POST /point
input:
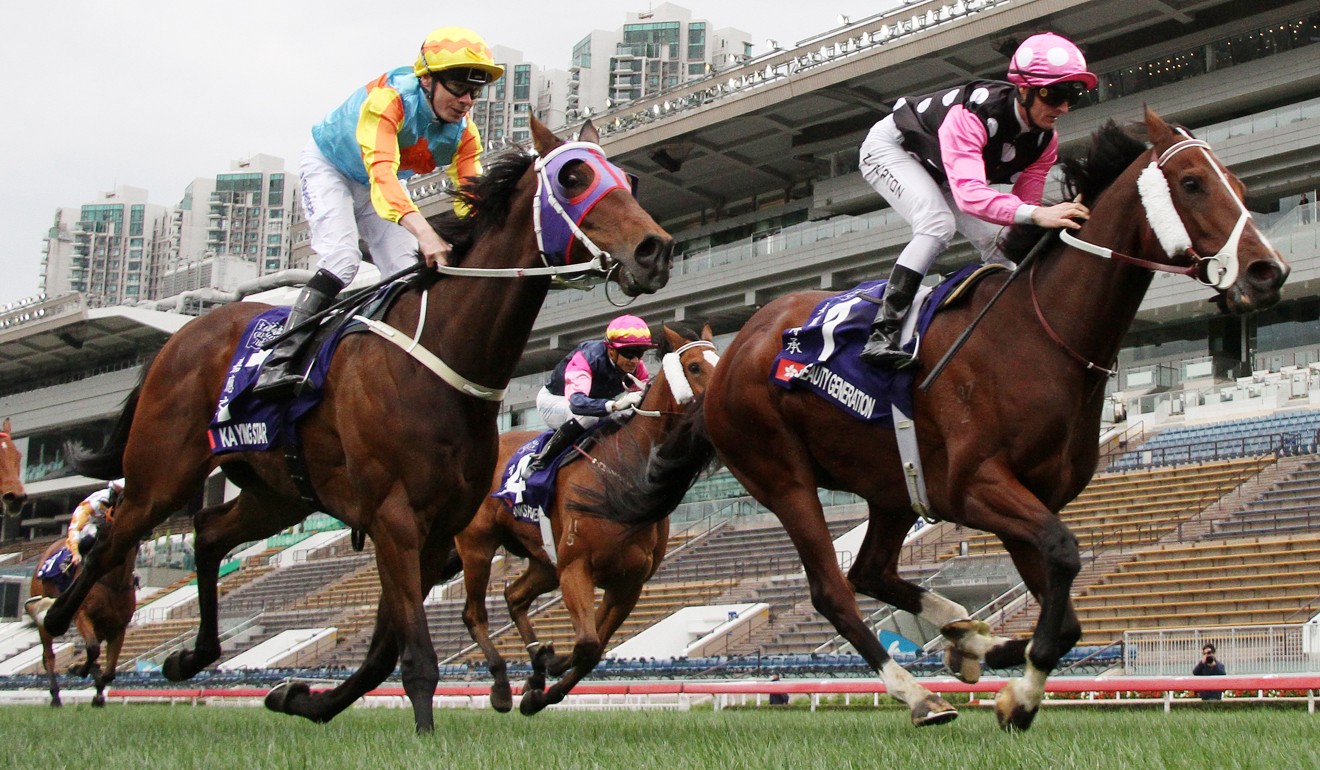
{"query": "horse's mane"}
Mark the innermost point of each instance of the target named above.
(488, 198)
(1112, 150)
(645, 488)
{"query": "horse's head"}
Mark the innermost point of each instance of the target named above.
(586, 204)
(1195, 208)
(685, 369)
(11, 473)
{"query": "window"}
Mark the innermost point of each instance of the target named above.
(522, 82)
(696, 48)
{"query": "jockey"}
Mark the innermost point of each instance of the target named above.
(599, 378)
(935, 156)
(60, 569)
(411, 120)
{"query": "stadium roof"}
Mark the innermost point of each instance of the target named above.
(58, 336)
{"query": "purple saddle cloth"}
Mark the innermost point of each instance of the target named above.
(822, 354)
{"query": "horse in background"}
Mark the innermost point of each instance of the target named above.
(403, 442)
(1008, 435)
(12, 493)
(102, 618)
(592, 551)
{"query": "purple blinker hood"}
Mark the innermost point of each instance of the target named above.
(555, 234)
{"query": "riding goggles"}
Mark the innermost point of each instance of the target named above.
(631, 353)
(460, 88)
(1059, 94)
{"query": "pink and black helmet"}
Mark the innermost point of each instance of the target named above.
(628, 331)
(1046, 59)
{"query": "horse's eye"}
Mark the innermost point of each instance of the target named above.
(694, 368)
(1191, 185)
(574, 175)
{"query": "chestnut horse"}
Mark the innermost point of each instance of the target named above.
(592, 552)
(12, 494)
(102, 618)
(1008, 434)
(402, 443)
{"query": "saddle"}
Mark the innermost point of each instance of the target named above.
(822, 354)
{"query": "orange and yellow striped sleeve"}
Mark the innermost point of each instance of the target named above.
(378, 137)
(466, 162)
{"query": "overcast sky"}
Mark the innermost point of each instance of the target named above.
(154, 93)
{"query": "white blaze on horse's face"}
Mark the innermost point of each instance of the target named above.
(1221, 269)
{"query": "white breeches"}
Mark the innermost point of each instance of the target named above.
(926, 204)
(339, 211)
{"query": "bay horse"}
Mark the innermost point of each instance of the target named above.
(1009, 434)
(390, 450)
(102, 618)
(592, 552)
(12, 493)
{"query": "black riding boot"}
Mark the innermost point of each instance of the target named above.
(886, 330)
(566, 434)
(280, 373)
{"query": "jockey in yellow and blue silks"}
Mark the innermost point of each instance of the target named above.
(411, 120)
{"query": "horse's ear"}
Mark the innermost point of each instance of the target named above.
(707, 334)
(589, 133)
(674, 339)
(6, 425)
(543, 138)
(1156, 129)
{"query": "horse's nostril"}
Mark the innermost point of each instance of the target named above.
(1267, 273)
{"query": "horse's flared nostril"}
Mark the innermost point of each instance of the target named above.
(1268, 274)
(654, 248)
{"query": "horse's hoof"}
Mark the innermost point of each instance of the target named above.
(279, 698)
(98, 701)
(966, 668)
(1012, 714)
(180, 666)
(532, 702)
(55, 702)
(501, 697)
(954, 631)
(934, 710)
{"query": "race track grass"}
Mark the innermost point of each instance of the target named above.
(178, 737)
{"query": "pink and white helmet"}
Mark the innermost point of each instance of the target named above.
(628, 331)
(1046, 59)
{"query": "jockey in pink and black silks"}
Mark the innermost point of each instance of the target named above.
(600, 378)
(410, 120)
(935, 157)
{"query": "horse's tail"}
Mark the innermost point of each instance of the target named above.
(649, 489)
(453, 566)
(107, 462)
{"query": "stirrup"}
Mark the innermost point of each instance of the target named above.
(882, 350)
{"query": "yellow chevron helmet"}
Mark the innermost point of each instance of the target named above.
(628, 331)
(449, 48)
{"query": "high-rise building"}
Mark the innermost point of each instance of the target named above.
(654, 50)
(105, 251)
(502, 112)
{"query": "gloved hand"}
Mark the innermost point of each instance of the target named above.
(627, 401)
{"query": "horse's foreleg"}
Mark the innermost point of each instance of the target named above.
(297, 699)
(476, 578)
(579, 599)
(213, 538)
(1048, 571)
(107, 673)
(398, 559)
(91, 648)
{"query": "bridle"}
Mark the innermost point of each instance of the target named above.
(679, 386)
(553, 241)
(557, 219)
(1219, 270)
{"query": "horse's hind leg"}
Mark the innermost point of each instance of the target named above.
(798, 508)
(218, 529)
(540, 578)
(48, 663)
(91, 648)
(106, 674)
(476, 578)
(875, 574)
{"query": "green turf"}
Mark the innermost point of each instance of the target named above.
(242, 738)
